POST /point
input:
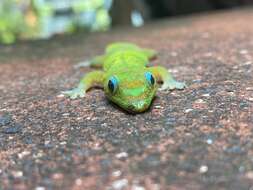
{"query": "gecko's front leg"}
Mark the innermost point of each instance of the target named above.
(92, 79)
(162, 75)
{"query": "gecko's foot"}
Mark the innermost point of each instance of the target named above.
(74, 93)
(173, 84)
(82, 64)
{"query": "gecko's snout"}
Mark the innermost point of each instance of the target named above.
(139, 106)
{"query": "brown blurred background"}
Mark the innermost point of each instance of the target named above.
(42, 19)
(154, 9)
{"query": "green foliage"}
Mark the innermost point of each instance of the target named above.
(102, 20)
(12, 23)
(26, 19)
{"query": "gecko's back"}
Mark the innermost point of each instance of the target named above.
(124, 60)
(124, 57)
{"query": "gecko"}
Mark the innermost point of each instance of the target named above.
(125, 77)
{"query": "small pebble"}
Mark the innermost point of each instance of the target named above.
(16, 128)
(47, 142)
(60, 96)
(104, 124)
(57, 176)
(120, 184)
(244, 51)
(249, 175)
(38, 155)
(122, 155)
(174, 54)
(23, 154)
(188, 110)
(205, 95)
(197, 81)
(137, 187)
(231, 93)
(65, 114)
(203, 169)
(249, 88)
(173, 70)
(200, 101)
(250, 99)
(78, 182)
(40, 188)
(116, 173)
(63, 143)
(17, 174)
(247, 63)
(158, 107)
(209, 141)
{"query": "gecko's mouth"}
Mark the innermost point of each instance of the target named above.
(138, 106)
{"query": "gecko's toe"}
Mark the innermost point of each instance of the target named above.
(82, 95)
(75, 93)
(180, 85)
(173, 85)
(163, 87)
(73, 96)
(82, 64)
(66, 93)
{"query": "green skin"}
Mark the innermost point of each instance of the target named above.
(128, 64)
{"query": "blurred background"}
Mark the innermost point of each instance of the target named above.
(42, 19)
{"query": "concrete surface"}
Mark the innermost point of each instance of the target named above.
(198, 138)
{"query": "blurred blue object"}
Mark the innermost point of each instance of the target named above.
(137, 19)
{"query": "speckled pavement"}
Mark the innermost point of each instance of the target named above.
(197, 138)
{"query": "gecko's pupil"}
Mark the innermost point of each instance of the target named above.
(150, 78)
(111, 86)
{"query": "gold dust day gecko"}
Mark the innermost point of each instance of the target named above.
(125, 78)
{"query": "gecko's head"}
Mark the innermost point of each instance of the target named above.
(133, 92)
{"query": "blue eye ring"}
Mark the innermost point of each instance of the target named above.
(113, 84)
(150, 78)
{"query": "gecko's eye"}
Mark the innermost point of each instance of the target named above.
(150, 78)
(113, 84)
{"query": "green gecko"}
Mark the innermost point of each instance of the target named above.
(125, 78)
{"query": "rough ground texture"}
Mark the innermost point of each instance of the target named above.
(198, 138)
